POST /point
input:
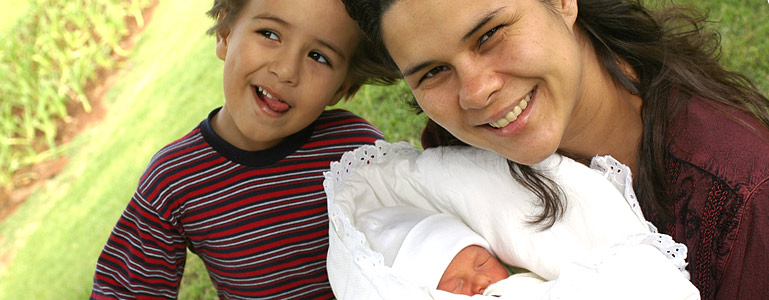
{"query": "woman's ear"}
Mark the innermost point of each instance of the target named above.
(568, 10)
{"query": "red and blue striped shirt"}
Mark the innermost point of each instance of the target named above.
(257, 219)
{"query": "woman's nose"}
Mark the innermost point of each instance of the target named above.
(477, 84)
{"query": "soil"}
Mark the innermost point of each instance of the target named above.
(26, 181)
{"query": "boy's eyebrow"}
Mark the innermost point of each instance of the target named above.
(478, 25)
(266, 16)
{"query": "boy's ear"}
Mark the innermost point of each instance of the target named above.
(341, 91)
(222, 40)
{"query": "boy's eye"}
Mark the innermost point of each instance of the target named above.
(269, 34)
(433, 72)
(319, 57)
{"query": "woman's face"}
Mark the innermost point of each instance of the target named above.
(503, 75)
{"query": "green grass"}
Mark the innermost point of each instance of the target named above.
(167, 87)
(744, 34)
(170, 83)
(52, 49)
(12, 11)
(48, 249)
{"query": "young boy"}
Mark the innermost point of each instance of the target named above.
(244, 189)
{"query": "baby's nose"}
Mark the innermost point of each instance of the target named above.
(480, 283)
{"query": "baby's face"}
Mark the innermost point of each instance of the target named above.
(471, 271)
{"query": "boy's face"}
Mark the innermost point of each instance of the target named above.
(471, 271)
(284, 62)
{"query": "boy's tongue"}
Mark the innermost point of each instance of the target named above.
(275, 105)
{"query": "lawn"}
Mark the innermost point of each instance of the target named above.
(11, 12)
(49, 247)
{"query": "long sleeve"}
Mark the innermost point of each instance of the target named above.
(744, 275)
(718, 165)
(144, 256)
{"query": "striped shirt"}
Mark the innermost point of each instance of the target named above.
(258, 219)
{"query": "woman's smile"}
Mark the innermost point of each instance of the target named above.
(512, 115)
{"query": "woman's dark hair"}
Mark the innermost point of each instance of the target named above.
(673, 57)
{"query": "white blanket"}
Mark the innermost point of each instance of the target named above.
(476, 185)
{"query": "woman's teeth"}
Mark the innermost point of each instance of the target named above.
(513, 114)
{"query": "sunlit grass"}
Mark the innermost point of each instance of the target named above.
(48, 249)
(167, 87)
(744, 36)
(12, 11)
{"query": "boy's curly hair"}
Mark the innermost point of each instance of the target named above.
(366, 66)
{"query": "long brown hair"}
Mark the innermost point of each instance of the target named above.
(674, 57)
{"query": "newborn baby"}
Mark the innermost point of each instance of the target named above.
(432, 250)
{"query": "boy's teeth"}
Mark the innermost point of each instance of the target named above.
(513, 114)
(265, 93)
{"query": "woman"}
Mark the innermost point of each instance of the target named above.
(527, 78)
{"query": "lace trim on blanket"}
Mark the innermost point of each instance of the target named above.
(620, 175)
(675, 252)
(372, 262)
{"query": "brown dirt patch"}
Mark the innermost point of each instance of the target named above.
(26, 181)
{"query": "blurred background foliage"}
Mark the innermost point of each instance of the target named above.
(53, 51)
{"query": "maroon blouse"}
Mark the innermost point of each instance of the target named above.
(719, 170)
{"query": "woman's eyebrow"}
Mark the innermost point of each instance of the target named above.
(482, 22)
(414, 69)
(478, 25)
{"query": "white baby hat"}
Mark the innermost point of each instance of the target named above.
(418, 244)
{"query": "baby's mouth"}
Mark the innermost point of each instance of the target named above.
(513, 114)
(272, 102)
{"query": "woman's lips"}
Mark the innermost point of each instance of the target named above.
(513, 114)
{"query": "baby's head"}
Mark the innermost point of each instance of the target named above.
(432, 250)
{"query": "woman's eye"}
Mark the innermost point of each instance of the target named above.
(486, 36)
(319, 58)
(433, 72)
(269, 34)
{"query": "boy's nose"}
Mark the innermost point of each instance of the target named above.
(285, 68)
